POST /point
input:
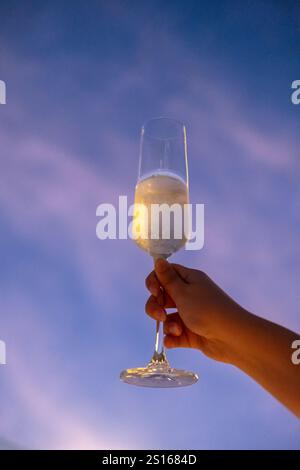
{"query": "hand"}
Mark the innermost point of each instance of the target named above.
(209, 320)
(205, 316)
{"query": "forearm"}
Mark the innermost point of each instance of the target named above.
(263, 351)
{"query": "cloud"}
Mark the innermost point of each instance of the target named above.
(43, 407)
(69, 144)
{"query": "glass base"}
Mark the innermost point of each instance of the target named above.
(158, 374)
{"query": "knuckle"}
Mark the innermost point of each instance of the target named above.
(151, 305)
(151, 282)
(148, 280)
(148, 305)
(202, 274)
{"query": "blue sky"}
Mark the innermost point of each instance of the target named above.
(81, 80)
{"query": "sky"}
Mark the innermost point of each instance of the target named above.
(81, 79)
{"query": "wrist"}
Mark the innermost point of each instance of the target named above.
(232, 332)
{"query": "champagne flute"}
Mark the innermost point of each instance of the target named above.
(162, 180)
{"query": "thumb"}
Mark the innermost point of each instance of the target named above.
(169, 278)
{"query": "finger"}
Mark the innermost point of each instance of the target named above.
(173, 329)
(171, 341)
(173, 325)
(153, 284)
(165, 300)
(154, 310)
(166, 303)
(169, 278)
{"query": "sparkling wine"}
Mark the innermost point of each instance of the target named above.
(160, 188)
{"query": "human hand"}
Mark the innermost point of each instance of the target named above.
(209, 320)
(206, 316)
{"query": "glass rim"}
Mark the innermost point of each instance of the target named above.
(163, 118)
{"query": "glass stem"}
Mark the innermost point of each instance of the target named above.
(159, 339)
(159, 351)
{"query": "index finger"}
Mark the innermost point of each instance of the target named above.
(156, 290)
(153, 284)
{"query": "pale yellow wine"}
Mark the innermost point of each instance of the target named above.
(159, 188)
